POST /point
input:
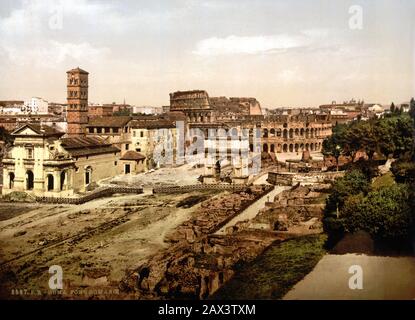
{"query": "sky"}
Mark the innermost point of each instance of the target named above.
(298, 53)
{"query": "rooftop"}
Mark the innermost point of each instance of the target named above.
(109, 121)
(84, 146)
(133, 155)
(77, 70)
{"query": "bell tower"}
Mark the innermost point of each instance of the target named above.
(77, 97)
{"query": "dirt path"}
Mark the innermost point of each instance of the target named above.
(252, 211)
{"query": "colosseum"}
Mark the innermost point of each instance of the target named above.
(279, 133)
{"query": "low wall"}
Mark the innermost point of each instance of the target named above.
(198, 187)
(290, 178)
(105, 192)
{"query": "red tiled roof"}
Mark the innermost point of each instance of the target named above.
(133, 155)
(109, 121)
(84, 146)
(77, 70)
(152, 124)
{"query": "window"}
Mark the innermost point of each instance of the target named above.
(115, 163)
(133, 133)
(29, 153)
(126, 129)
(141, 134)
(91, 130)
(127, 146)
(115, 130)
(107, 130)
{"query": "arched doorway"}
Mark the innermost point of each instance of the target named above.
(272, 148)
(291, 148)
(50, 182)
(265, 147)
(88, 175)
(29, 180)
(11, 180)
(285, 148)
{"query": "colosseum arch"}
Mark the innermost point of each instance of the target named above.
(307, 133)
(302, 147)
(312, 146)
(285, 147)
(302, 132)
(272, 132)
(272, 149)
(307, 147)
(265, 133)
(291, 148)
(297, 132)
(265, 148)
(285, 134)
(291, 134)
(296, 147)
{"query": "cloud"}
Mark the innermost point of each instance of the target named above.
(53, 53)
(257, 44)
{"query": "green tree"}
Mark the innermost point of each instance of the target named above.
(412, 108)
(333, 146)
(384, 213)
(353, 182)
(392, 108)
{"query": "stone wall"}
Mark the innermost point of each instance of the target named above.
(199, 262)
(290, 178)
(100, 193)
(195, 187)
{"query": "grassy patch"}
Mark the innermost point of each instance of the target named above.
(385, 180)
(272, 274)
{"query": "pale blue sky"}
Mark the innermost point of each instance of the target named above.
(284, 53)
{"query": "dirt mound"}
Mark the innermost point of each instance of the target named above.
(18, 196)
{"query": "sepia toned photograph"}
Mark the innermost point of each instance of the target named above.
(210, 151)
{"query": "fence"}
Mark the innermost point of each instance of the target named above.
(198, 187)
(104, 192)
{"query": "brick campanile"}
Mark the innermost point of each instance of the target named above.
(77, 109)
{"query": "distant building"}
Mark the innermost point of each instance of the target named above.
(35, 105)
(113, 128)
(99, 110)
(147, 135)
(11, 107)
(147, 110)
